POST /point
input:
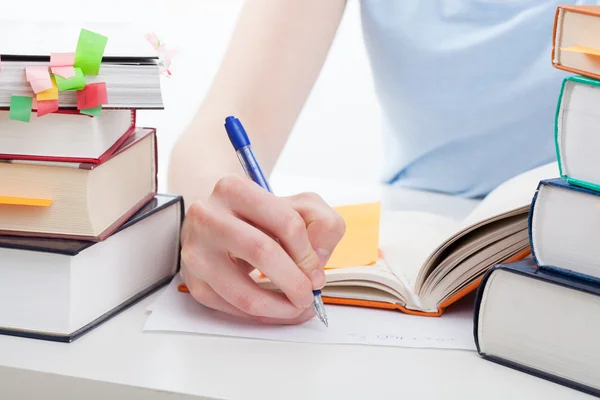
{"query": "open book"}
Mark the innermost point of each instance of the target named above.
(428, 261)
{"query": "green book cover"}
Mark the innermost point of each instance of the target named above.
(580, 80)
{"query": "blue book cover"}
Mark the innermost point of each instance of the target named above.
(560, 183)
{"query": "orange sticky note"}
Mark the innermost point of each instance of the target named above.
(50, 94)
(24, 201)
(582, 49)
(360, 244)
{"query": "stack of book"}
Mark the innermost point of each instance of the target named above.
(542, 315)
(83, 232)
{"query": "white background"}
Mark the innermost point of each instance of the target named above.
(342, 106)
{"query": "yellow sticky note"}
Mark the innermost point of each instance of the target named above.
(582, 49)
(360, 244)
(24, 201)
(50, 94)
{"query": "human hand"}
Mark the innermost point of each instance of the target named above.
(234, 232)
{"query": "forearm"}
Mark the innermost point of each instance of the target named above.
(272, 62)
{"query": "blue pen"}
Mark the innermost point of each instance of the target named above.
(243, 148)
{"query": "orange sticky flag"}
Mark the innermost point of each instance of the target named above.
(582, 49)
(360, 244)
(24, 201)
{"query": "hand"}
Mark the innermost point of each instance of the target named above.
(234, 232)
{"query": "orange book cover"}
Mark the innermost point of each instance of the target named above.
(584, 47)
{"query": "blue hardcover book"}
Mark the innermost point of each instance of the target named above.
(540, 322)
(564, 229)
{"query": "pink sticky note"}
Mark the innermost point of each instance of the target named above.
(46, 107)
(64, 72)
(39, 85)
(92, 95)
(38, 77)
(62, 59)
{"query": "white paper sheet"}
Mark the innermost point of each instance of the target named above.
(175, 311)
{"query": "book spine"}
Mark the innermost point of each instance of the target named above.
(558, 127)
(530, 222)
(570, 274)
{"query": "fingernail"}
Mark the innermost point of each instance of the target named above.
(317, 277)
(323, 256)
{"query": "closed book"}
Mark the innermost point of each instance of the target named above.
(576, 40)
(66, 136)
(540, 322)
(129, 64)
(58, 289)
(78, 200)
(576, 131)
(564, 226)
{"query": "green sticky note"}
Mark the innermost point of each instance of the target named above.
(75, 83)
(94, 111)
(89, 51)
(20, 108)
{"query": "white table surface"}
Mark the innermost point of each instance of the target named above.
(117, 360)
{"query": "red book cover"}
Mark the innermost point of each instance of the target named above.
(96, 161)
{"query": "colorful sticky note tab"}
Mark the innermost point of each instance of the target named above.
(360, 244)
(64, 72)
(46, 107)
(50, 94)
(89, 51)
(94, 111)
(61, 64)
(75, 83)
(20, 108)
(38, 77)
(62, 59)
(92, 95)
(582, 49)
(25, 201)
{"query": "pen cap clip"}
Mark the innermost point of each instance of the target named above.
(236, 132)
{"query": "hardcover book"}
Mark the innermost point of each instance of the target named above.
(576, 137)
(59, 289)
(541, 323)
(78, 200)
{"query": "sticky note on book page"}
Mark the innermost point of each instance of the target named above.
(61, 64)
(582, 49)
(93, 95)
(38, 77)
(360, 244)
(89, 51)
(50, 94)
(24, 201)
(75, 83)
(20, 108)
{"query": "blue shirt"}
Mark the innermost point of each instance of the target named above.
(466, 87)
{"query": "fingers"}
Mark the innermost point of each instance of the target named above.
(207, 296)
(275, 217)
(237, 288)
(325, 227)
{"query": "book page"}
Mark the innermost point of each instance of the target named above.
(407, 238)
(515, 193)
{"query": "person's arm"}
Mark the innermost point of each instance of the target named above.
(272, 62)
